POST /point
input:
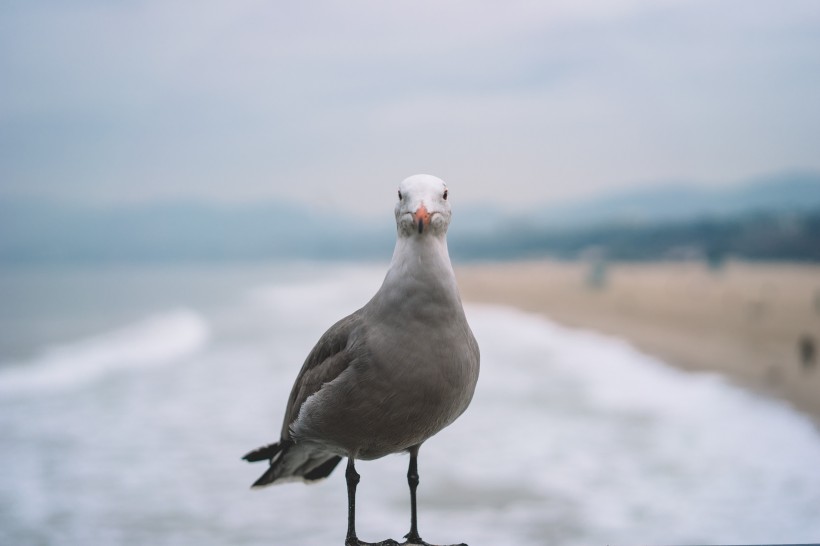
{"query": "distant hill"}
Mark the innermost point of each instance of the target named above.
(771, 218)
(32, 232)
(752, 236)
(785, 192)
(777, 217)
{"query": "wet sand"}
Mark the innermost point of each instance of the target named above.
(758, 324)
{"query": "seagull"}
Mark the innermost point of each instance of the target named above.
(389, 376)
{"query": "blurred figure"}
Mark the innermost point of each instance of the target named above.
(808, 352)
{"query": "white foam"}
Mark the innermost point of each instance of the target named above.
(312, 305)
(348, 287)
(632, 443)
(573, 438)
(150, 342)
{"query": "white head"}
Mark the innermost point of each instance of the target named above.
(422, 208)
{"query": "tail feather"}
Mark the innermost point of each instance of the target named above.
(264, 453)
(323, 470)
(270, 476)
(302, 464)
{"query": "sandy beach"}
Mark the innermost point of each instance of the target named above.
(758, 324)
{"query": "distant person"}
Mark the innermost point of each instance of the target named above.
(808, 351)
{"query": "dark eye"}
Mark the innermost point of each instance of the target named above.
(399, 195)
(445, 195)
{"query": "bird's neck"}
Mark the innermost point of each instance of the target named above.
(423, 257)
(420, 273)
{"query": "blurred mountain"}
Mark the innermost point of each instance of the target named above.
(37, 231)
(771, 218)
(784, 192)
(777, 217)
(793, 236)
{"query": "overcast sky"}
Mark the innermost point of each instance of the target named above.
(334, 103)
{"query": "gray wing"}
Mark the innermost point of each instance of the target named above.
(326, 361)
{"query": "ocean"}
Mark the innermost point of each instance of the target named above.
(128, 395)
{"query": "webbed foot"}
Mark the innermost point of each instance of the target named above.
(357, 542)
(417, 541)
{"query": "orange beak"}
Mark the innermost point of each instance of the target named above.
(421, 217)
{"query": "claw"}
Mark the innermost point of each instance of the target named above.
(417, 541)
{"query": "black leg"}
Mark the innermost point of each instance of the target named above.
(352, 478)
(413, 481)
(351, 539)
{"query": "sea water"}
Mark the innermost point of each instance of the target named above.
(129, 394)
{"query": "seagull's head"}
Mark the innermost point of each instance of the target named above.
(422, 207)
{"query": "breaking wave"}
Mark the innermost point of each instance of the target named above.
(153, 341)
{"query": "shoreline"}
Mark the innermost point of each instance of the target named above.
(756, 323)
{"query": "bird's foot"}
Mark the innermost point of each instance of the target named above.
(357, 542)
(422, 543)
(415, 540)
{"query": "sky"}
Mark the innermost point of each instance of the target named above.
(332, 103)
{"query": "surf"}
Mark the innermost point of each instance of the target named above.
(153, 341)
